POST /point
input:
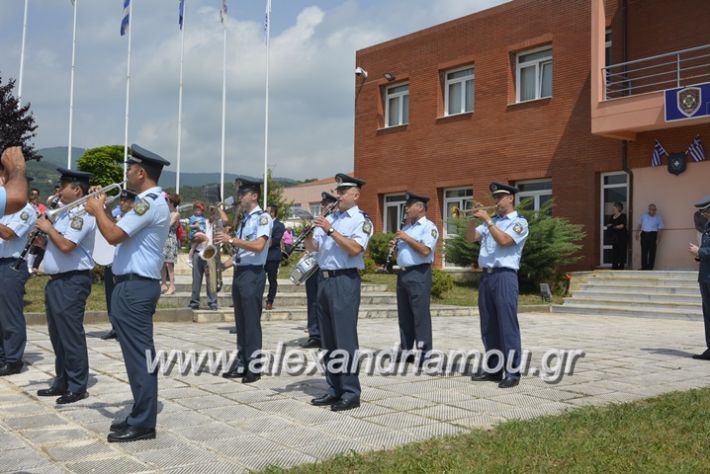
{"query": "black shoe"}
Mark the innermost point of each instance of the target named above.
(131, 433)
(482, 376)
(704, 356)
(71, 397)
(110, 335)
(213, 308)
(343, 405)
(193, 306)
(119, 425)
(11, 368)
(311, 343)
(50, 392)
(324, 400)
(233, 331)
(250, 377)
(509, 381)
(235, 372)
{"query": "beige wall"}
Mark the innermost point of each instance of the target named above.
(674, 197)
(307, 194)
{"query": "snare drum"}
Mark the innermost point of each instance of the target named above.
(304, 269)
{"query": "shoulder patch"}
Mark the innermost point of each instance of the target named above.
(367, 227)
(77, 223)
(434, 233)
(24, 216)
(141, 207)
(264, 220)
(518, 228)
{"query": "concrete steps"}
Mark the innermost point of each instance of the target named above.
(645, 294)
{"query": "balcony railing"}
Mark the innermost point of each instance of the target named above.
(656, 73)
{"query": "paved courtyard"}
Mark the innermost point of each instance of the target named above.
(210, 424)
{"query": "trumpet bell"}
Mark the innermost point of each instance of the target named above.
(457, 213)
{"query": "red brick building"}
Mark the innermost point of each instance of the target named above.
(518, 94)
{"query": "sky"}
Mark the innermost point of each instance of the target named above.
(312, 59)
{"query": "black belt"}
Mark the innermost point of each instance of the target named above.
(334, 273)
(9, 259)
(132, 276)
(57, 276)
(497, 270)
(421, 266)
(251, 268)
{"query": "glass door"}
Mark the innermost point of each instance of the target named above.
(614, 188)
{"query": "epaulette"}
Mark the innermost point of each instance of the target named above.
(152, 196)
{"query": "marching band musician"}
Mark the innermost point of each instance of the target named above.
(249, 279)
(68, 262)
(140, 237)
(13, 190)
(415, 247)
(340, 240)
(13, 331)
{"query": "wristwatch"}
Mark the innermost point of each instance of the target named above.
(489, 223)
(330, 231)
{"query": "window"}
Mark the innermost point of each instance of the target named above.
(607, 48)
(397, 105)
(315, 209)
(394, 211)
(533, 74)
(461, 198)
(459, 91)
(535, 194)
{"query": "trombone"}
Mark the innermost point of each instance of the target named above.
(458, 213)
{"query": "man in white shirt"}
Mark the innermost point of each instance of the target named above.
(649, 231)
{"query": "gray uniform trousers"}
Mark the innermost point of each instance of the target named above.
(13, 330)
(247, 292)
(312, 303)
(413, 308)
(338, 306)
(65, 299)
(132, 307)
(498, 307)
(199, 269)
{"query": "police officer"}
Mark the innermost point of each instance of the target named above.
(415, 247)
(340, 240)
(140, 237)
(502, 239)
(313, 341)
(702, 254)
(251, 243)
(68, 262)
(14, 229)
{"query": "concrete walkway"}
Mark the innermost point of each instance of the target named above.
(210, 424)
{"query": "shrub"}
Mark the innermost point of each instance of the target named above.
(378, 247)
(441, 283)
(370, 265)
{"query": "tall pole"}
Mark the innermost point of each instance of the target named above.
(179, 136)
(71, 87)
(128, 90)
(266, 106)
(22, 57)
(224, 104)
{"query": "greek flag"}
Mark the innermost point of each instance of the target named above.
(696, 150)
(181, 11)
(223, 12)
(658, 152)
(126, 16)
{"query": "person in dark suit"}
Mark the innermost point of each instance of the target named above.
(619, 237)
(273, 258)
(702, 254)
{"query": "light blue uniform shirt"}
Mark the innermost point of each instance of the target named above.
(78, 227)
(493, 255)
(254, 225)
(3, 199)
(353, 224)
(423, 231)
(20, 223)
(147, 226)
(651, 223)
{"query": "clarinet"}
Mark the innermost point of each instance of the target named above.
(390, 254)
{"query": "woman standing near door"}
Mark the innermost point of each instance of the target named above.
(619, 236)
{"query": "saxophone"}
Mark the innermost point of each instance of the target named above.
(211, 255)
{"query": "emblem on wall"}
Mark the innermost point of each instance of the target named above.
(677, 163)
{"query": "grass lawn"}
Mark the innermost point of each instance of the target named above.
(34, 296)
(666, 434)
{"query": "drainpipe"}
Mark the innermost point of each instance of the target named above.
(625, 143)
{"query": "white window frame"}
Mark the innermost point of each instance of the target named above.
(315, 209)
(535, 194)
(602, 224)
(402, 96)
(393, 206)
(463, 203)
(537, 63)
(460, 80)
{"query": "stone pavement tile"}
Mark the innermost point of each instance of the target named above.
(523, 401)
(352, 428)
(48, 437)
(209, 468)
(482, 405)
(370, 409)
(386, 439)
(13, 399)
(119, 465)
(479, 389)
(478, 420)
(524, 413)
(10, 441)
(264, 424)
(208, 433)
(183, 455)
(588, 388)
(181, 392)
(284, 458)
(253, 395)
(442, 396)
(586, 401)
(329, 447)
(163, 440)
(438, 429)
(226, 387)
(404, 403)
(400, 420)
(407, 388)
(285, 405)
(201, 403)
(23, 459)
(36, 421)
(553, 395)
(296, 436)
(23, 410)
(179, 420)
(49, 469)
(311, 415)
(370, 394)
(75, 451)
(441, 412)
(229, 414)
(238, 448)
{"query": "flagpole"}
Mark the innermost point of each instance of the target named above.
(71, 87)
(266, 106)
(179, 137)
(224, 101)
(128, 90)
(22, 56)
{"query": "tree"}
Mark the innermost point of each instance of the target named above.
(17, 125)
(105, 162)
(276, 197)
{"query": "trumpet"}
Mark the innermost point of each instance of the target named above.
(53, 216)
(307, 231)
(457, 213)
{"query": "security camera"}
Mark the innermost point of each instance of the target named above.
(360, 72)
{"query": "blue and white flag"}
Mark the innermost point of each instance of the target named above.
(181, 12)
(126, 16)
(696, 150)
(223, 12)
(658, 152)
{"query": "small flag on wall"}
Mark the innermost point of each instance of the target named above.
(658, 152)
(696, 150)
